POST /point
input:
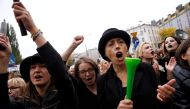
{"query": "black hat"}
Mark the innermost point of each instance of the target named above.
(26, 63)
(110, 34)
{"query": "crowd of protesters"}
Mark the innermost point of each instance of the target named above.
(162, 81)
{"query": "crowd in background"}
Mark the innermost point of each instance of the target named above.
(162, 79)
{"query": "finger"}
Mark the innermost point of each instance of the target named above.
(166, 64)
(18, 4)
(166, 90)
(171, 82)
(159, 97)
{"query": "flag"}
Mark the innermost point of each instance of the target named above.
(12, 60)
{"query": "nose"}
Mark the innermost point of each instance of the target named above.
(37, 68)
(87, 73)
(117, 46)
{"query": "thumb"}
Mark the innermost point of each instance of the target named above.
(171, 82)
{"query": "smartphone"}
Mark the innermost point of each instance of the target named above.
(21, 25)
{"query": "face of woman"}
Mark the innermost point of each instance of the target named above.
(171, 44)
(147, 51)
(116, 50)
(39, 75)
(87, 74)
(104, 66)
(186, 56)
(14, 91)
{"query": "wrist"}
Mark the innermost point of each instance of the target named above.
(34, 30)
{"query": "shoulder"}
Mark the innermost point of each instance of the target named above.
(181, 73)
(144, 66)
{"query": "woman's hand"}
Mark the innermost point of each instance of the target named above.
(78, 40)
(165, 92)
(4, 54)
(21, 14)
(170, 66)
(125, 104)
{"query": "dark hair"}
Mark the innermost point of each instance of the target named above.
(176, 39)
(85, 60)
(182, 49)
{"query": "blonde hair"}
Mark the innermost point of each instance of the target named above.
(139, 50)
(18, 82)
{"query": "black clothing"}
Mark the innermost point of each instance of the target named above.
(181, 98)
(163, 74)
(4, 98)
(110, 90)
(87, 99)
(64, 97)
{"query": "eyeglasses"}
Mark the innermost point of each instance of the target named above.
(83, 72)
(13, 89)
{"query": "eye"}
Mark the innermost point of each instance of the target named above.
(32, 66)
(111, 43)
(43, 65)
(172, 40)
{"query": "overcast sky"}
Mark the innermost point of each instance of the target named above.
(61, 20)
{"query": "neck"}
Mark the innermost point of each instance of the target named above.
(92, 88)
(119, 68)
(42, 89)
(147, 60)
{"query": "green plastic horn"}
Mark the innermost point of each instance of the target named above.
(131, 65)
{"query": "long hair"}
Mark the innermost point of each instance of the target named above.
(32, 94)
(176, 39)
(182, 49)
(85, 60)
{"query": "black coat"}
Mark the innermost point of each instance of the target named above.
(110, 91)
(64, 97)
(181, 98)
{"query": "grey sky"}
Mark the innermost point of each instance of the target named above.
(61, 20)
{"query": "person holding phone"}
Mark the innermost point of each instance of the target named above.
(49, 85)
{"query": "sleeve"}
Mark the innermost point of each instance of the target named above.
(57, 69)
(100, 93)
(4, 97)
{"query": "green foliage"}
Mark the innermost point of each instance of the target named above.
(14, 43)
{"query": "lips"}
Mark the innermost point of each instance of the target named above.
(152, 52)
(37, 76)
(170, 46)
(119, 54)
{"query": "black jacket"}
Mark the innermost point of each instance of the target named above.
(110, 91)
(64, 97)
(181, 98)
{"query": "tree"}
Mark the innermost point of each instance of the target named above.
(167, 32)
(14, 43)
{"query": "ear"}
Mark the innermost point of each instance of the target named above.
(183, 56)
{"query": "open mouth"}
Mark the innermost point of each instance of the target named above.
(119, 54)
(169, 46)
(37, 76)
(152, 52)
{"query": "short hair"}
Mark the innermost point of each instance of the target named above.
(18, 82)
(139, 50)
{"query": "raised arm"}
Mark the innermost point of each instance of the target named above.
(76, 42)
(4, 61)
(50, 56)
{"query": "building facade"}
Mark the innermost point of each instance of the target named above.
(180, 19)
(145, 33)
